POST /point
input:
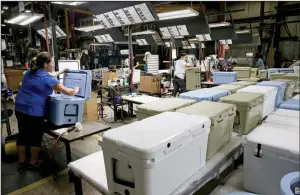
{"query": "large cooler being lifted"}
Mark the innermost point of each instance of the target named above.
(269, 96)
(209, 94)
(64, 109)
(281, 86)
(230, 87)
(156, 155)
(291, 104)
(244, 83)
(159, 106)
(269, 154)
(193, 78)
(249, 110)
(224, 77)
(222, 119)
(286, 113)
(283, 120)
(242, 72)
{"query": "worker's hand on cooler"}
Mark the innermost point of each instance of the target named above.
(76, 90)
(66, 69)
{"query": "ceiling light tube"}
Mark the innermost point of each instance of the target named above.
(177, 37)
(31, 19)
(5, 8)
(188, 12)
(90, 28)
(17, 19)
(242, 31)
(222, 24)
(147, 32)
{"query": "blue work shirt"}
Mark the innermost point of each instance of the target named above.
(260, 64)
(35, 89)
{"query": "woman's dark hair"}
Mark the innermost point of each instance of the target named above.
(39, 61)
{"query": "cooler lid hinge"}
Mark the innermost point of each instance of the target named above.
(258, 152)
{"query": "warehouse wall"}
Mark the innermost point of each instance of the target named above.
(289, 49)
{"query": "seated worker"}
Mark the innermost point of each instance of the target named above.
(30, 107)
(259, 62)
(179, 73)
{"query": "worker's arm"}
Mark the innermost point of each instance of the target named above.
(56, 74)
(65, 90)
(188, 66)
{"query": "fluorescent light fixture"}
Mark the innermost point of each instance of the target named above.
(249, 54)
(188, 12)
(178, 37)
(204, 37)
(74, 3)
(222, 24)
(226, 42)
(2, 11)
(59, 32)
(27, 11)
(32, 19)
(3, 25)
(25, 18)
(100, 44)
(5, 7)
(125, 42)
(124, 52)
(242, 31)
(147, 32)
(90, 28)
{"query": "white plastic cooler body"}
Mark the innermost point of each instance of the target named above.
(269, 154)
(269, 96)
(283, 120)
(287, 113)
(155, 155)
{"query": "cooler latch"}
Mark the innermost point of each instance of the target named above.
(258, 152)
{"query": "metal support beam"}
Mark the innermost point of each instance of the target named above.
(67, 28)
(262, 11)
(54, 40)
(73, 38)
(131, 62)
(222, 18)
(277, 36)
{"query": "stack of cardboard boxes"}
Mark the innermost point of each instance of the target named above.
(90, 112)
(150, 84)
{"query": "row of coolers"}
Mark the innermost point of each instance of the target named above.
(193, 78)
(139, 157)
(281, 87)
(280, 70)
(291, 104)
(160, 106)
(152, 63)
(271, 151)
(291, 78)
(209, 94)
(64, 109)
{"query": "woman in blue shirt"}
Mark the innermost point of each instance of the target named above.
(30, 107)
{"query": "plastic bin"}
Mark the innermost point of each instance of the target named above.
(281, 86)
(244, 83)
(193, 79)
(290, 88)
(224, 77)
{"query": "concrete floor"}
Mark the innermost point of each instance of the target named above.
(89, 146)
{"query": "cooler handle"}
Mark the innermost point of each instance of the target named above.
(71, 114)
(120, 181)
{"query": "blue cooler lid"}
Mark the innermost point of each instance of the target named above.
(286, 70)
(224, 73)
(81, 79)
(278, 84)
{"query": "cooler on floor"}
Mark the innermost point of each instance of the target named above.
(242, 72)
(224, 77)
(249, 110)
(263, 74)
(283, 120)
(269, 96)
(269, 154)
(286, 113)
(209, 94)
(222, 119)
(244, 83)
(155, 155)
(63, 109)
(274, 76)
(290, 88)
(159, 106)
(291, 104)
(286, 70)
(193, 78)
(230, 87)
(253, 72)
(272, 70)
(281, 86)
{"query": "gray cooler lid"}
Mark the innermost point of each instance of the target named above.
(167, 104)
(229, 87)
(207, 108)
(245, 83)
(243, 99)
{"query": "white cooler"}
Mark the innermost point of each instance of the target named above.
(156, 155)
(297, 97)
(162, 105)
(282, 127)
(269, 154)
(283, 120)
(286, 113)
(269, 96)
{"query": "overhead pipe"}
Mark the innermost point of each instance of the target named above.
(67, 27)
(46, 28)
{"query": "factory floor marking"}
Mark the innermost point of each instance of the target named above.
(37, 184)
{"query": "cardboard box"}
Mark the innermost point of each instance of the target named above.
(90, 112)
(13, 78)
(108, 76)
(150, 84)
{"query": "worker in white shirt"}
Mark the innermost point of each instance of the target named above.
(179, 73)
